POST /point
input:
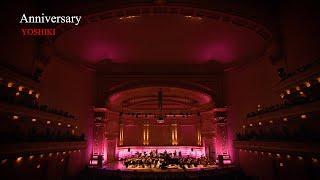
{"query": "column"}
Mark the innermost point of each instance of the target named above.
(199, 134)
(121, 135)
(99, 128)
(174, 134)
(221, 141)
(146, 134)
(98, 133)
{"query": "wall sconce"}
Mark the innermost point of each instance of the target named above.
(10, 84)
(20, 88)
(3, 161)
(303, 116)
(282, 95)
(307, 83)
(314, 160)
(288, 91)
(19, 159)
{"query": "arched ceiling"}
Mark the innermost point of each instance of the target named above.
(162, 38)
(146, 100)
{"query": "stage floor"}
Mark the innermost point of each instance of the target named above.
(118, 165)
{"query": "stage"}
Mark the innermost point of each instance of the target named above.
(116, 170)
(118, 165)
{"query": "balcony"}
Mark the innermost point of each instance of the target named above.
(37, 114)
(41, 147)
(302, 74)
(287, 147)
(290, 111)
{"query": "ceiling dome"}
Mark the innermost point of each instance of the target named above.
(162, 38)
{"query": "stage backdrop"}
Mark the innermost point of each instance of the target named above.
(159, 135)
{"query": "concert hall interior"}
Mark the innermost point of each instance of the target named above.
(161, 89)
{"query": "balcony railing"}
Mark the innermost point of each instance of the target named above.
(41, 147)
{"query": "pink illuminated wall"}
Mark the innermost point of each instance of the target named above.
(160, 133)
